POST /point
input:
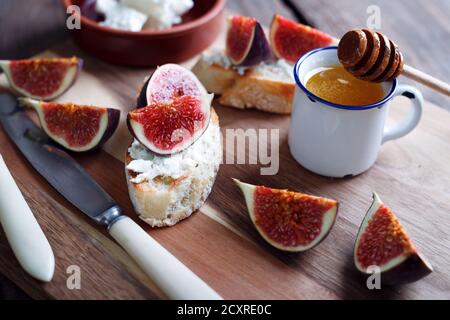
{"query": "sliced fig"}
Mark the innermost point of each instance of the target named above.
(246, 42)
(171, 81)
(289, 221)
(43, 79)
(75, 127)
(384, 243)
(171, 126)
(291, 40)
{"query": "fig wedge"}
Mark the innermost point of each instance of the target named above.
(291, 40)
(289, 221)
(384, 243)
(43, 78)
(75, 127)
(246, 42)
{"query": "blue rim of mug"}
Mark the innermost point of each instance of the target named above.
(312, 96)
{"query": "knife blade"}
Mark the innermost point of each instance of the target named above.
(78, 187)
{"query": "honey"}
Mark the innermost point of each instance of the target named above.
(334, 84)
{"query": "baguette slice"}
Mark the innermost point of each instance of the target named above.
(167, 189)
(267, 87)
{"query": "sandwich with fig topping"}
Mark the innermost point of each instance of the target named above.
(253, 71)
(173, 160)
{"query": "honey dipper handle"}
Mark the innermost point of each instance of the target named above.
(426, 80)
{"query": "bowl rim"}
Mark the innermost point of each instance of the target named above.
(182, 28)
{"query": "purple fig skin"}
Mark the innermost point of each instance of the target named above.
(414, 268)
(259, 51)
(113, 123)
(142, 95)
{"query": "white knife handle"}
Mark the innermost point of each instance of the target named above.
(168, 273)
(24, 234)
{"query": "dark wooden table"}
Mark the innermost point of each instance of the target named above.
(420, 28)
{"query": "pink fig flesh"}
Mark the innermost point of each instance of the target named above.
(170, 127)
(289, 221)
(172, 81)
(43, 78)
(75, 127)
(291, 40)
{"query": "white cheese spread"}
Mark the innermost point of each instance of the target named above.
(216, 56)
(280, 70)
(148, 165)
(135, 15)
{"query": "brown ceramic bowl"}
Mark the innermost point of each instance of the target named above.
(199, 28)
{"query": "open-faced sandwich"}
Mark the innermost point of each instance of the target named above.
(254, 72)
(173, 161)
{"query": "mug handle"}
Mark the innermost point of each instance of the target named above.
(410, 122)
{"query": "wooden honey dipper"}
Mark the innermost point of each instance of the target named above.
(372, 56)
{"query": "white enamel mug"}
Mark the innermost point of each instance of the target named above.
(336, 140)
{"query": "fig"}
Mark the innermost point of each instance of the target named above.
(171, 81)
(383, 242)
(291, 40)
(168, 127)
(75, 127)
(289, 221)
(42, 79)
(246, 42)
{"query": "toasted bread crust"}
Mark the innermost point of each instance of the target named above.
(156, 207)
(214, 77)
(248, 90)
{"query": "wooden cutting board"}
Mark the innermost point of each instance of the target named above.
(219, 243)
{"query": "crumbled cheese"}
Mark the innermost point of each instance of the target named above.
(216, 56)
(148, 165)
(279, 70)
(120, 16)
(162, 14)
(241, 70)
(134, 15)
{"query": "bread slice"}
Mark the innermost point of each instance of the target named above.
(167, 189)
(267, 86)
